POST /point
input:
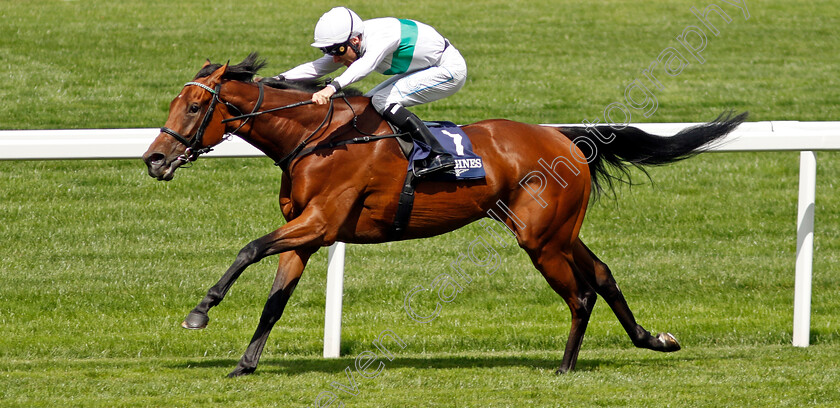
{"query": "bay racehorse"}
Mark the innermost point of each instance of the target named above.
(334, 189)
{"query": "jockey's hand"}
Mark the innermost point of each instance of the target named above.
(323, 96)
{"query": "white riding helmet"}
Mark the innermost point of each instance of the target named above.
(337, 26)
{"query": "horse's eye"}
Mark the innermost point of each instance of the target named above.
(194, 108)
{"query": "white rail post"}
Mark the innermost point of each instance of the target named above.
(804, 248)
(335, 291)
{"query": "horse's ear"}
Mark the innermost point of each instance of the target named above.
(216, 76)
(206, 63)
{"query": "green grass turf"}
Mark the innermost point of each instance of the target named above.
(100, 263)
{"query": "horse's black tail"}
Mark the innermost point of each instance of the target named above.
(619, 149)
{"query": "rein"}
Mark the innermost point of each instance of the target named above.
(252, 114)
(301, 149)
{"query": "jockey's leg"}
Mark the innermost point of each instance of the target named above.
(392, 97)
(439, 159)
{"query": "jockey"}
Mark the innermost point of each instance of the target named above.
(424, 66)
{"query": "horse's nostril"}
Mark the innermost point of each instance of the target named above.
(154, 158)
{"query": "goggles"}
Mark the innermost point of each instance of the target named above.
(336, 50)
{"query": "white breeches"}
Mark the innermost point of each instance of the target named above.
(422, 86)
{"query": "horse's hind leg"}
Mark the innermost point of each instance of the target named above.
(581, 306)
(598, 274)
(559, 271)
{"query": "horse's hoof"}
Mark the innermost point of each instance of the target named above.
(669, 342)
(561, 371)
(240, 371)
(195, 321)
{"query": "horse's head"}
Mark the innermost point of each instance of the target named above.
(193, 126)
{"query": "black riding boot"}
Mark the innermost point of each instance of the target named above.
(439, 159)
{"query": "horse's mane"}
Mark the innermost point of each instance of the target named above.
(245, 71)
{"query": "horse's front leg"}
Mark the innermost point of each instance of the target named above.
(250, 254)
(295, 234)
(289, 271)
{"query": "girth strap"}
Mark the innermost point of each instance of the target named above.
(405, 205)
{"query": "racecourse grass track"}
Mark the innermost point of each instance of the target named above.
(100, 263)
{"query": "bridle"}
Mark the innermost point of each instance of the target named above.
(194, 145)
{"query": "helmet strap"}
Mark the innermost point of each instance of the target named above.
(355, 47)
